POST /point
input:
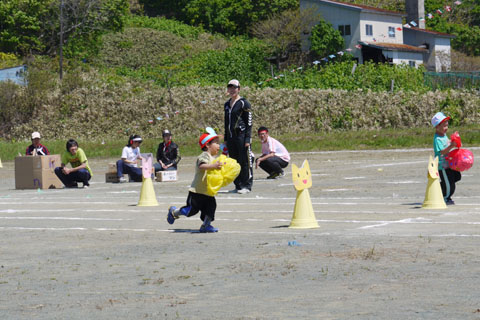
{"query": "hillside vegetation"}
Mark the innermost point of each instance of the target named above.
(151, 73)
(91, 105)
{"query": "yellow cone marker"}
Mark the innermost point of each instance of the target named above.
(147, 194)
(1, 165)
(303, 215)
(433, 194)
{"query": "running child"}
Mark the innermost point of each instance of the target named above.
(198, 198)
(442, 147)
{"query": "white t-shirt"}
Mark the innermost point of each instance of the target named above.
(131, 155)
(273, 145)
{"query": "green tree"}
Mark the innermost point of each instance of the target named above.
(282, 32)
(21, 25)
(233, 17)
(325, 39)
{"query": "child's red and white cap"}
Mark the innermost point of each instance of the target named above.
(438, 118)
(207, 137)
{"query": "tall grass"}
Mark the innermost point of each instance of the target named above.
(334, 140)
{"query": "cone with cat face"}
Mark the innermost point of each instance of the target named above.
(147, 193)
(433, 195)
(303, 215)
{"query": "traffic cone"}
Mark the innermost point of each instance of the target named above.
(147, 194)
(1, 165)
(303, 215)
(433, 194)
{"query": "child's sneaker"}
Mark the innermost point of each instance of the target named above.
(208, 229)
(450, 202)
(170, 217)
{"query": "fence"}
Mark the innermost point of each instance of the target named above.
(455, 80)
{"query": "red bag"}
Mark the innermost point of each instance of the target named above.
(460, 159)
(455, 137)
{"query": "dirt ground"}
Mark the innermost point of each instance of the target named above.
(94, 254)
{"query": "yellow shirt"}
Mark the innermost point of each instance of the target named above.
(76, 160)
(199, 183)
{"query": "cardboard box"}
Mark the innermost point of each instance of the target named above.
(163, 176)
(37, 172)
(112, 177)
(112, 167)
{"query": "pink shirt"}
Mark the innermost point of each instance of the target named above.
(273, 145)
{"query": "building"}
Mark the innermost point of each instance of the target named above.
(378, 35)
(15, 74)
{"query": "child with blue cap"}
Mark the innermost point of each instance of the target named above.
(442, 147)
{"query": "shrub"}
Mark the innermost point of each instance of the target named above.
(162, 24)
(325, 39)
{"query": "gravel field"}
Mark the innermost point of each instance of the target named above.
(94, 254)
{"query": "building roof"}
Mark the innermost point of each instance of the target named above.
(440, 34)
(393, 46)
(363, 8)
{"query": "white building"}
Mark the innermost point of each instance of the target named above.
(378, 35)
(438, 44)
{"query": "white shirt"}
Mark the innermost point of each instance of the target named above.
(276, 147)
(131, 155)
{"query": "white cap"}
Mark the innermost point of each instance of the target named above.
(166, 132)
(234, 82)
(36, 135)
(137, 139)
(438, 118)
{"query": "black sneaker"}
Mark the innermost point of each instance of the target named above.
(208, 229)
(274, 175)
(450, 202)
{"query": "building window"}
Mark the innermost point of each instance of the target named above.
(344, 30)
(369, 29)
(412, 64)
(391, 32)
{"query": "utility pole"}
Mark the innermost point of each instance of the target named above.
(61, 41)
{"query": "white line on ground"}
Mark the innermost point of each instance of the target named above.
(64, 218)
(290, 232)
(393, 164)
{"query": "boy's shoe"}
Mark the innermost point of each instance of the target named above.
(273, 175)
(122, 180)
(450, 202)
(74, 185)
(170, 217)
(243, 191)
(208, 229)
(282, 174)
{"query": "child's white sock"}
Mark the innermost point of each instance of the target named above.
(176, 213)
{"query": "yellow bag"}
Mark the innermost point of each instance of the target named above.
(219, 178)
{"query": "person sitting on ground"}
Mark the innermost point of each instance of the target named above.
(128, 163)
(80, 171)
(36, 149)
(168, 155)
(275, 156)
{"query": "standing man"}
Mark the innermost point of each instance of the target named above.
(238, 135)
(275, 156)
